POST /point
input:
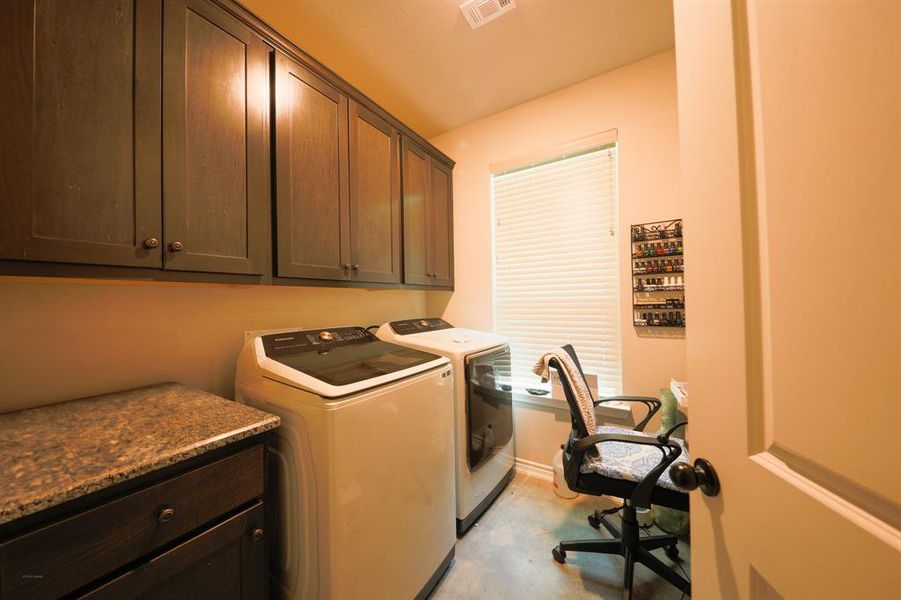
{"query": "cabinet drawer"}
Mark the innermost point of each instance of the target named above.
(68, 554)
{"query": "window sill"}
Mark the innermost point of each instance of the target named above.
(610, 410)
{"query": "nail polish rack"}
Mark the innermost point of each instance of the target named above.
(658, 274)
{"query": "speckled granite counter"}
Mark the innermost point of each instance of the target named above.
(53, 454)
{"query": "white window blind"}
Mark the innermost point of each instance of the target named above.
(556, 274)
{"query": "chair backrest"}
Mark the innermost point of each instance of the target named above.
(578, 423)
(572, 459)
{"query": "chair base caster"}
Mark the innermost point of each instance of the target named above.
(559, 554)
(672, 552)
(594, 521)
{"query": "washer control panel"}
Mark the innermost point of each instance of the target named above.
(419, 325)
(292, 342)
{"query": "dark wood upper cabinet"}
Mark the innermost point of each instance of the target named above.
(312, 192)
(428, 218)
(375, 202)
(80, 150)
(416, 227)
(163, 133)
(441, 220)
(215, 141)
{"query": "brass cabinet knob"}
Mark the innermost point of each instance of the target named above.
(176, 247)
(151, 243)
(166, 515)
(256, 535)
(355, 267)
(347, 266)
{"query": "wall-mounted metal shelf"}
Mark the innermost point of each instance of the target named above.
(658, 246)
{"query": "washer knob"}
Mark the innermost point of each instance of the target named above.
(424, 323)
(326, 336)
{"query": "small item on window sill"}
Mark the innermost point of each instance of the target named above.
(537, 392)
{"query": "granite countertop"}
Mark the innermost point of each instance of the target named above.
(53, 454)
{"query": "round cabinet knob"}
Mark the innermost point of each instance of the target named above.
(151, 243)
(699, 475)
(355, 267)
(166, 515)
(347, 266)
(176, 247)
(256, 535)
(326, 336)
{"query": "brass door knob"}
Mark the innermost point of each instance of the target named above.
(151, 243)
(176, 247)
(256, 535)
(166, 515)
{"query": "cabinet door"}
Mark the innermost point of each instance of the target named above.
(441, 220)
(80, 150)
(312, 192)
(375, 201)
(215, 141)
(227, 561)
(416, 201)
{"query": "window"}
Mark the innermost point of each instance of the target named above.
(556, 272)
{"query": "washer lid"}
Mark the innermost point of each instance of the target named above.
(446, 340)
(340, 361)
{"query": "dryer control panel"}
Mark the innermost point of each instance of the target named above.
(280, 344)
(419, 325)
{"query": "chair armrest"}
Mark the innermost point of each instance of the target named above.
(652, 404)
(641, 496)
(664, 437)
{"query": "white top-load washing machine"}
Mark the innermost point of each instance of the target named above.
(362, 465)
(483, 406)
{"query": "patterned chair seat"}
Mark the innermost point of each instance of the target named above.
(632, 462)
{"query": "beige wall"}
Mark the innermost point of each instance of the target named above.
(62, 339)
(639, 101)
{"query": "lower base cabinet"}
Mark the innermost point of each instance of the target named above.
(198, 533)
(224, 562)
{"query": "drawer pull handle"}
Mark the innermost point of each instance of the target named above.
(256, 535)
(166, 515)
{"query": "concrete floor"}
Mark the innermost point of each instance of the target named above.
(507, 554)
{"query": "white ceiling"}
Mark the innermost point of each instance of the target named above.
(421, 61)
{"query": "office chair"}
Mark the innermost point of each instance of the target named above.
(632, 466)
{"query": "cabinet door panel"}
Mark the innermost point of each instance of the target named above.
(80, 153)
(215, 114)
(416, 200)
(442, 222)
(374, 197)
(311, 175)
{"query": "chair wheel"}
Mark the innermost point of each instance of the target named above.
(559, 554)
(594, 521)
(672, 552)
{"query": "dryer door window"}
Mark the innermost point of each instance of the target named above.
(489, 404)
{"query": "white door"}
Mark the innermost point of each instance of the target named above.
(790, 127)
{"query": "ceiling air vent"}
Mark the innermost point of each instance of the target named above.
(479, 12)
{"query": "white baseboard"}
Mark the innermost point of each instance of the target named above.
(535, 469)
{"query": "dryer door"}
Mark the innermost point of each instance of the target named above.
(489, 404)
